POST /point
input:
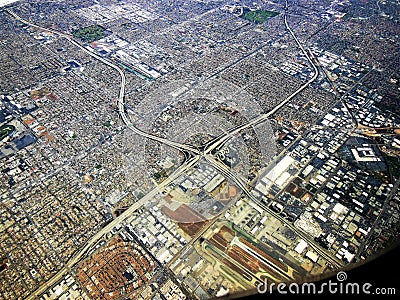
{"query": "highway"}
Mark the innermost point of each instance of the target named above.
(121, 96)
(223, 138)
(378, 219)
(259, 120)
(223, 169)
(183, 168)
(118, 220)
(227, 172)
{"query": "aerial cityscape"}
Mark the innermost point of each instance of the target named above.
(192, 149)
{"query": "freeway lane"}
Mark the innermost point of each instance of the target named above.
(186, 166)
(259, 120)
(183, 168)
(121, 102)
(223, 169)
(97, 237)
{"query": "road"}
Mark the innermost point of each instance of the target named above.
(259, 120)
(121, 96)
(227, 172)
(118, 220)
(183, 168)
(223, 169)
(378, 219)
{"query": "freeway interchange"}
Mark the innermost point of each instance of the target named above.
(206, 152)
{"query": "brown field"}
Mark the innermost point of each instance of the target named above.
(240, 260)
(183, 214)
(264, 255)
(192, 228)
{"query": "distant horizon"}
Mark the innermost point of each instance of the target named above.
(5, 2)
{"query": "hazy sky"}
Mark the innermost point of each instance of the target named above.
(4, 2)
